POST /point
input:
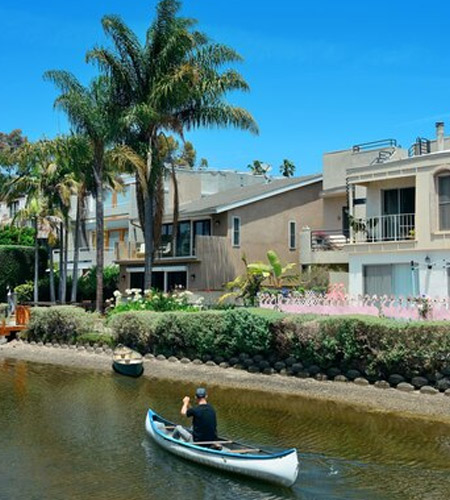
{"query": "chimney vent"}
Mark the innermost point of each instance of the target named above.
(440, 136)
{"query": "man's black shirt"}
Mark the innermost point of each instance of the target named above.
(203, 422)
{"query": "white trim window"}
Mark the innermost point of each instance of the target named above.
(292, 235)
(444, 202)
(236, 231)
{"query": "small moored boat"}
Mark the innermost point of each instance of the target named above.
(281, 468)
(128, 362)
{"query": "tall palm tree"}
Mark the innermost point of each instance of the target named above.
(91, 111)
(173, 81)
(47, 190)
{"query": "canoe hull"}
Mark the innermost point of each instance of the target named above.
(130, 370)
(279, 468)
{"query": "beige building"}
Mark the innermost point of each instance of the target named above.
(387, 216)
(223, 215)
(215, 231)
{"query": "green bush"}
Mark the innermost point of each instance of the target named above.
(134, 329)
(372, 345)
(17, 266)
(60, 323)
(13, 235)
(24, 292)
(87, 284)
(224, 333)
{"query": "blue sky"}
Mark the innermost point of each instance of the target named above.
(324, 75)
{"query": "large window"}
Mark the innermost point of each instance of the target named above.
(183, 243)
(236, 232)
(13, 209)
(292, 235)
(444, 202)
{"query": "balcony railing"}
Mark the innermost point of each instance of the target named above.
(136, 251)
(89, 256)
(328, 240)
(396, 227)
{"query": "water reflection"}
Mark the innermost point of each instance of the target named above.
(68, 434)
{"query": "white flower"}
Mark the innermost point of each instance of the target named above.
(117, 294)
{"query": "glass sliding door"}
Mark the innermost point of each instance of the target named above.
(398, 219)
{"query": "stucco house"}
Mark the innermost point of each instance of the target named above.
(387, 217)
(215, 231)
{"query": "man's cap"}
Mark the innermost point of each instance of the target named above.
(200, 392)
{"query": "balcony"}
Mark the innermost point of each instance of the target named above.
(136, 251)
(87, 257)
(323, 247)
(383, 228)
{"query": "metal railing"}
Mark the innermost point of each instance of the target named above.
(88, 255)
(396, 227)
(328, 240)
(422, 146)
(382, 143)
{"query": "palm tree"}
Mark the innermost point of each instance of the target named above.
(173, 81)
(287, 169)
(47, 190)
(258, 167)
(91, 111)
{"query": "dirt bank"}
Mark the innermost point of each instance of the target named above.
(369, 398)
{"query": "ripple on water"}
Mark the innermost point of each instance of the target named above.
(73, 434)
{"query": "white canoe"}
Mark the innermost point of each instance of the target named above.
(281, 468)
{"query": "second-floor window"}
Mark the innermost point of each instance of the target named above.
(292, 235)
(236, 232)
(13, 209)
(444, 202)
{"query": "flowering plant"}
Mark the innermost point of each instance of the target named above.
(135, 299)
(424, 306)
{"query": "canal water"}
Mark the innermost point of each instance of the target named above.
(69, 434)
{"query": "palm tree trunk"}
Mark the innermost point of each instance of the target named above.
(76, 250)
(99, 224)
(65, 259)
(148, 239)
(61, 260)
(149, 212)
(36, 263)
(51, 275)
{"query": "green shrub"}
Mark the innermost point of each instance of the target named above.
(97, 338)
(87, 284)
(134, 329)
(60, 323)
(372, 345)
(17, 266)
(14, 235)
(24, 292)
(224, 333)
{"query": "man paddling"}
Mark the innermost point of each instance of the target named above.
(204, 422)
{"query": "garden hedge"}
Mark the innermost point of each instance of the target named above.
(376, 348)
(17, 266)
(60, 323)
